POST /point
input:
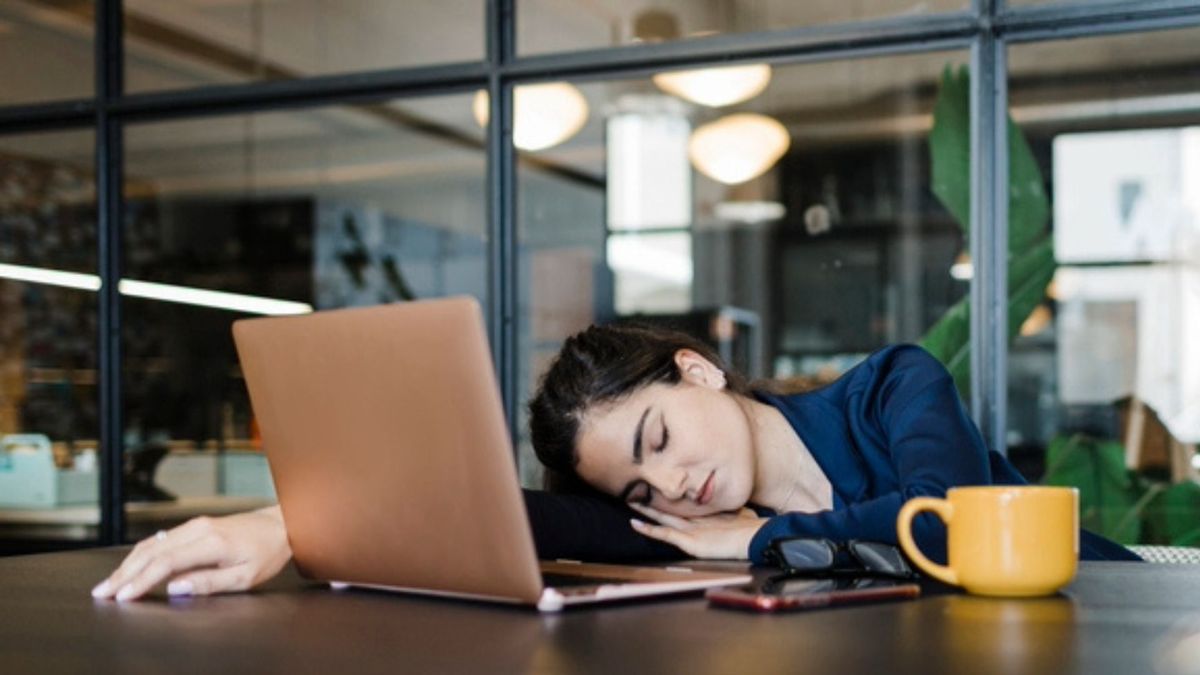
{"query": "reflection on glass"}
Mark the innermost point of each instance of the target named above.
(54, 44)
(549, 114)
(170, 45)
(1064, 2)
(1105, 374)
(554, 26)
(48, 397)
(274, 213)
(832, 247)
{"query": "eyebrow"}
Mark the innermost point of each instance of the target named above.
(637, 437)
(637, 454)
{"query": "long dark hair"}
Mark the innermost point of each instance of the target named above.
(600, 365)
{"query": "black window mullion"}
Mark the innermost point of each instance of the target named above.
(109, 88)
(502, 212)
(801, 44)
(989, 234)
(1071, 20)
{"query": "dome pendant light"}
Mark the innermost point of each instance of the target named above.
(544, 114)
(738, 147)
(716, 87)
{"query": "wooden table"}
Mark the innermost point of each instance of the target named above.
(1119, 618)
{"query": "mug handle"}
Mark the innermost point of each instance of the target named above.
(944, 510)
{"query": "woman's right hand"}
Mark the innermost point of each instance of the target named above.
(204, 556)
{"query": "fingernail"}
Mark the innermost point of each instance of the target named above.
(102, 590)
(125, 593)
(180, 588)
(637, 524)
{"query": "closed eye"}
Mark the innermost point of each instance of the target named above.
(666, 436)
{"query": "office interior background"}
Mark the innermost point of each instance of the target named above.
(798, 182)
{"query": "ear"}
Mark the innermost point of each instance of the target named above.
(696, 369)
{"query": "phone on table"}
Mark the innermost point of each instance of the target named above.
(777, 595)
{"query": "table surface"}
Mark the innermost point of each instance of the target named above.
(1115, 618)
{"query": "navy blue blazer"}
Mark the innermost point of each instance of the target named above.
(889, 429)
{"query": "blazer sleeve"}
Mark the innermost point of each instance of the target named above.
(590, 527)
(933, 445)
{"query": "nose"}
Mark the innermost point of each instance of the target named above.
(670, 482)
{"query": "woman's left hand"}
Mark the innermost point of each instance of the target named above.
(723, 535)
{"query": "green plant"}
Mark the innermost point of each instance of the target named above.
(1172, 517)
(1114, 501)
(1030, 247)
(1111, 498)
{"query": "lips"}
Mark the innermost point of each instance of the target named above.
(706, 490)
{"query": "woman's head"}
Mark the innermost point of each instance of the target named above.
(645, 414)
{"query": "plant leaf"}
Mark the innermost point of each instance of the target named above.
(950, 146)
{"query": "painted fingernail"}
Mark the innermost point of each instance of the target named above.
(180, 588)
(125, 593)
(102, 590)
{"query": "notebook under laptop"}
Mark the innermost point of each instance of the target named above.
(393, 465)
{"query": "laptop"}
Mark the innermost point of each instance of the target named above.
(386, 439)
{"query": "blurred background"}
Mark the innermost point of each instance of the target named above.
(798, 212)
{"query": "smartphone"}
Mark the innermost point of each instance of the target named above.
(796, 594)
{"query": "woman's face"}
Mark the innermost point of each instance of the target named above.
(684, 449)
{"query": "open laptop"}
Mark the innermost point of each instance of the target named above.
(393, 465)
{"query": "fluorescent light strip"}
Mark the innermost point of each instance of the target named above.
(202, 298)
(37, 275)
(236, 302)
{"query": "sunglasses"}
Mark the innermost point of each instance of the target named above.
(815, 557)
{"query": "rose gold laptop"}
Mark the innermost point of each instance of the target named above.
(393, 465)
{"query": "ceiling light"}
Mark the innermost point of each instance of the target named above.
(738, 147)
(236, 302)
(716, 87)
(38, 275)
(545, 114)
(200, 297)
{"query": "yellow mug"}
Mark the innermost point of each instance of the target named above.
(1002, 540)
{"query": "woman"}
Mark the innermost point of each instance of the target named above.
(716, 468)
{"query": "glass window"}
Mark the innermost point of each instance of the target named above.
(54, 44)
(176, 44)
(554, 26)
(1014, 3)
(796, 230)
(1104, 372)
(49, 474)
(278, 213)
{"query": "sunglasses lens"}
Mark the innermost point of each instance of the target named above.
(880, 557)
(806, 554)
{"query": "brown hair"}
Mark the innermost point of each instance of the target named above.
(599, 365)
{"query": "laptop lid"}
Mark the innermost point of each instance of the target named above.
(388, 446)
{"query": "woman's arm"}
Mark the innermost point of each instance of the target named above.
(204, 556)
(933, 445)
(905, 401)
(235, 553)
(589, 527)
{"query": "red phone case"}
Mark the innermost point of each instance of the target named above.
(739, 598)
